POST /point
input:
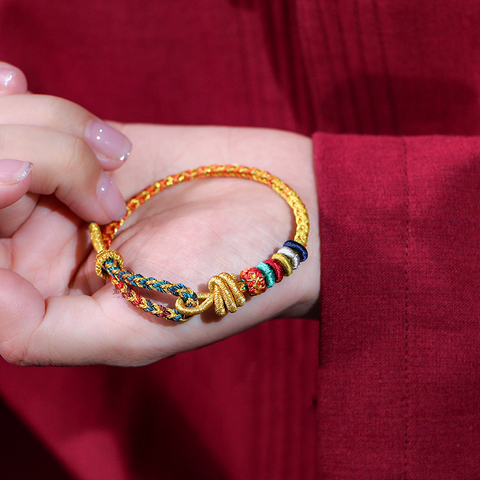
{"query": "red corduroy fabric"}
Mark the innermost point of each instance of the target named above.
(397, 383)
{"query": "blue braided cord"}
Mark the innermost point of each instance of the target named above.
(156, 285)
(185, 294)
(110, 265)
(151, 307)
(107, 265)
(177, 318)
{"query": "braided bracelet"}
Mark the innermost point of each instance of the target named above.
(227, 292)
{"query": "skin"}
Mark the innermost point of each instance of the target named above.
(48, 132)
(56, 311)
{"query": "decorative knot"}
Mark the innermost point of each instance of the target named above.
(103, 253)
(102, 257)
(225, 294)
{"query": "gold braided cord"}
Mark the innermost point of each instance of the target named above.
(235, 171)
(226, 292)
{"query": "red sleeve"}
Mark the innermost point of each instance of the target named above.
(398, 379)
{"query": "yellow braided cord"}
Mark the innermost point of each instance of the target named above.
(226, 291)
(236, 171)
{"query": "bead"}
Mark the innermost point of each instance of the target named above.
(255, 280)
(277, 268)
(284, 261)
(299, 248)
(292, 255)
(268, 273)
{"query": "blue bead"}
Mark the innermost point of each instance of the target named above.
(300, 249)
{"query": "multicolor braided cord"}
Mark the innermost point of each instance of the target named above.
(226, 291)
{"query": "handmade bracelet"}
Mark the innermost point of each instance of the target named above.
(226, 290)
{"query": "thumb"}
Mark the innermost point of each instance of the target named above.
(20, 304)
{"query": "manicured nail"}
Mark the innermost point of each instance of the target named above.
(12, 82)
(13, 171)
(107, 142)
(110, 198)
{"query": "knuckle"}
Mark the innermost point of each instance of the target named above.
(78, 171)
(76, 152)
(51, 108)
(61, 114)
(54, 110)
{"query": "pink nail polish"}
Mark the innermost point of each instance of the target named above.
(107, 142)
(12, 82)
(13, 171)
(110, 198)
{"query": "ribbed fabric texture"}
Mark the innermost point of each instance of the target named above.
(398, 377)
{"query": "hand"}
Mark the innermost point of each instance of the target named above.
(68, 148)
(57, 311)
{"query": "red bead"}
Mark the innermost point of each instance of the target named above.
(277, 268)
(255, 281)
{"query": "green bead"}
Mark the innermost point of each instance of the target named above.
(268, 273)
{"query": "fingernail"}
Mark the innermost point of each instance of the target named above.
(13, 171)
(110, 198)
(107, 142)
(12, 82)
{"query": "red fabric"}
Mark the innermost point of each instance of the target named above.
(399, 390)
(397, 382)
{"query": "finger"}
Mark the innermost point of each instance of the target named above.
(111, 147)
(65, 166)
(15, 215)
(12, 80)
(15, 180)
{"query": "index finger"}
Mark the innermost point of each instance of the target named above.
(12, 80)
(111, 147)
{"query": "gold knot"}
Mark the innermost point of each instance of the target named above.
(225, 294)
(103, 254)
(102, 258)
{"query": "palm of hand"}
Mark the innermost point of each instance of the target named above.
(186, 234)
